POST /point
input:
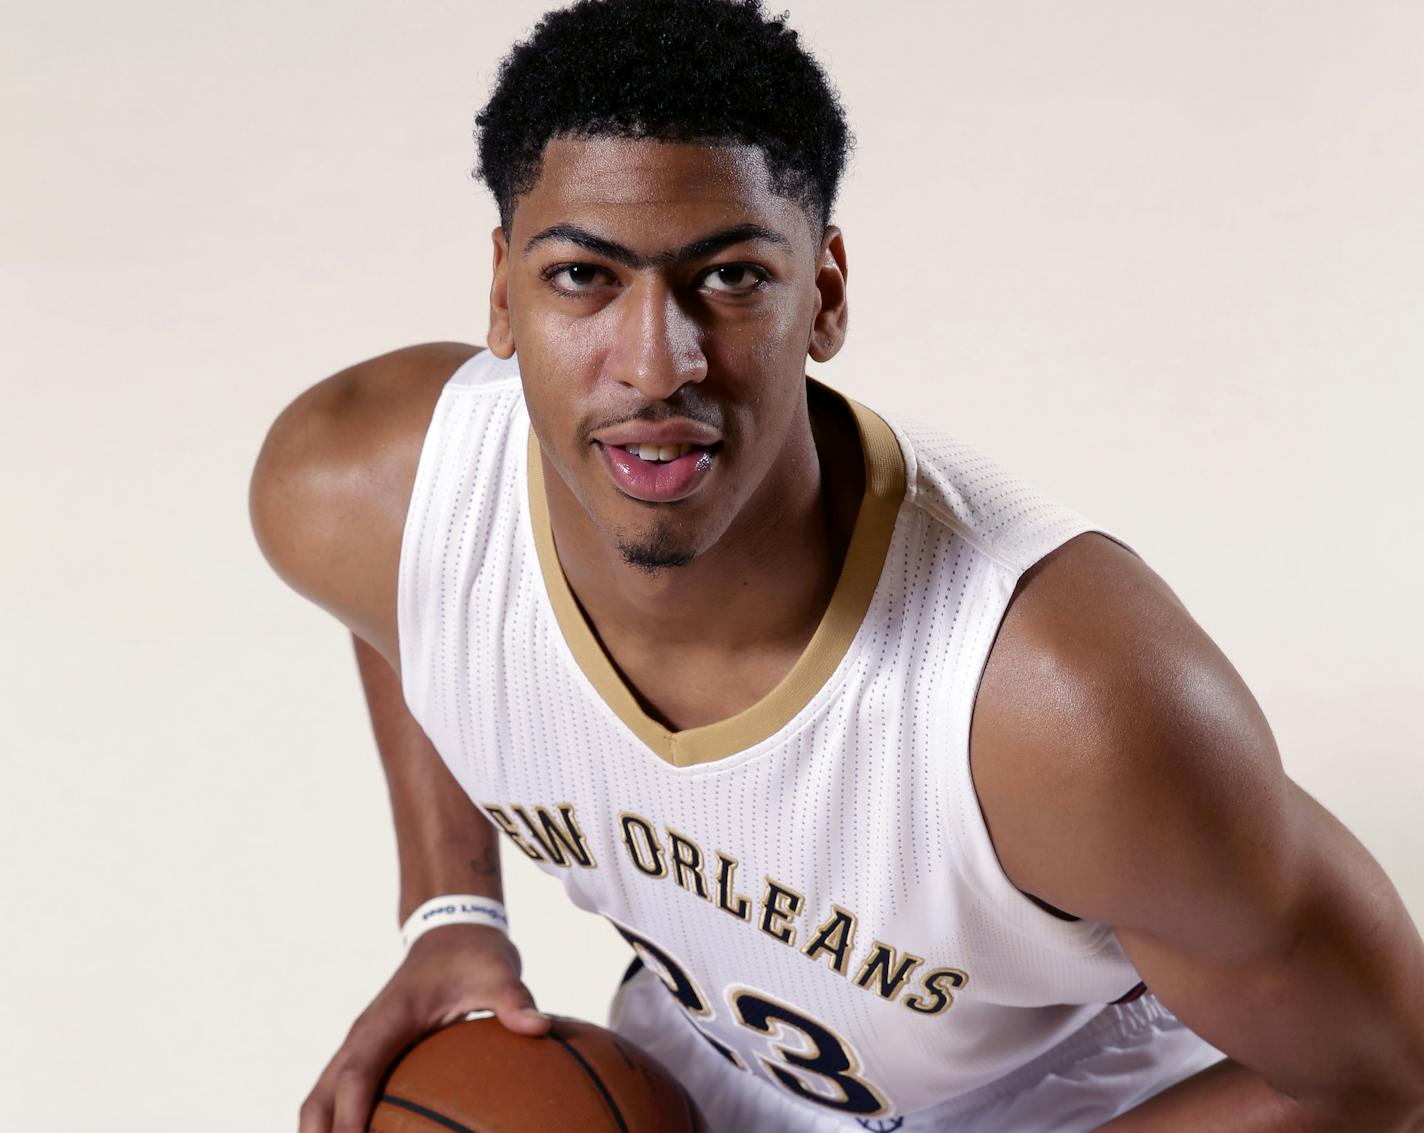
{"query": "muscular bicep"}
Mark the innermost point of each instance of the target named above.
(318, 512)
(1109, 733)
(1128, 776)
(1317, 983)
(333, 479)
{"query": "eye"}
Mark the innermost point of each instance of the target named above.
(582, 278)
(734, 279)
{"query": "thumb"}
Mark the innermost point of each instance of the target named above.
(515, 1009)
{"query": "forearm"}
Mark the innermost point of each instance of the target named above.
(445, 845)
(1229, 1098)
(1225, 1098)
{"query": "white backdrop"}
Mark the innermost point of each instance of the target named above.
(1164, 259)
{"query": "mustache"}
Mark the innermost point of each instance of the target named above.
(682, 404)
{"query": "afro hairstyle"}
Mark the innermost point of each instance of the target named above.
(701, 71)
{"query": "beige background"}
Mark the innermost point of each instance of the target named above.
(1164, 259)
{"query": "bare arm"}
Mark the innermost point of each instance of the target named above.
(1321, 995)
(445, 844)
(333, 481)
(328, 502)
(1129, 777)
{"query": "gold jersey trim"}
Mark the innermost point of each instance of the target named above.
(885, 480)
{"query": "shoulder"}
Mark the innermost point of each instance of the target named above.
(1117, 753)
(333, 479)
(962, 488)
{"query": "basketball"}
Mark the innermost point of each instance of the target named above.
(478, 1076)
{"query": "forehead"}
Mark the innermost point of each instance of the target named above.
(658, 186)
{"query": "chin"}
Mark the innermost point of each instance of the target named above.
(652, 558)
(663, 547)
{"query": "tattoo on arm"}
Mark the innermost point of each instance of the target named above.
(487, 863)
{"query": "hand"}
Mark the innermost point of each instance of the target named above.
(449, 971)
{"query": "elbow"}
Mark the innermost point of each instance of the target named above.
(1394, 1106)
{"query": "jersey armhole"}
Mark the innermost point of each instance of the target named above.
(417, 593)
(974, 855)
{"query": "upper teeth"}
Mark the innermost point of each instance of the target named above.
(659, 452)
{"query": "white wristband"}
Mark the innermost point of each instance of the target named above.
(454, 908)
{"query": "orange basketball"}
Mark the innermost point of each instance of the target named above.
(477, 1076)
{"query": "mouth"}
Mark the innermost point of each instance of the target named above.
(658, 473)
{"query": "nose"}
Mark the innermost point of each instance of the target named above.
(659, 343)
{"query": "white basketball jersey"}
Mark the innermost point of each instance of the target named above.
(812, 878)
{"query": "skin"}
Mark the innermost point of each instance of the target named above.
(1128, 776)
(1125, 772)
(685, 339)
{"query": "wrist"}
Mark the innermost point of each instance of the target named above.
(453, 909)
(443, 868)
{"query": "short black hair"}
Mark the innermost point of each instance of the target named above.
(700, 71)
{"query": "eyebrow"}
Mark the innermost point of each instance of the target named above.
(696, 250)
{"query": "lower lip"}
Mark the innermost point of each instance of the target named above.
(657, 481)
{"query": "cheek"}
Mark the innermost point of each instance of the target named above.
(774, 341)
(562, 359)
(543, 339)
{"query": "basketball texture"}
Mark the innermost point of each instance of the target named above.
(477, 1076)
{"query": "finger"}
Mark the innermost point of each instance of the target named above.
(316, 1111)
(315, 1114)
(516, 1010)
(354, 1095)
(348, 1087)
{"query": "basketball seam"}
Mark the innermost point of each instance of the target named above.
(597, 1081)
(438, 1118)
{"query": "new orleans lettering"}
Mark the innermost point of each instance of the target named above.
(778, 905)
(687, 863)
(545, 836)
(641, 842)
(558, 840)
(834, 936)
(728, 898)
(884, 968)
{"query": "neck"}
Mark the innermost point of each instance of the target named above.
(765, 584)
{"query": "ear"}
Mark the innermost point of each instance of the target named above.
(501, 332)
(828, 323)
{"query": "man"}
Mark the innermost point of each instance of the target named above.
(904, 782)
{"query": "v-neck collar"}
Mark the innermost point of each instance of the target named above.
(860, 573)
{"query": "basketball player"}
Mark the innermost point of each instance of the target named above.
(923, 801)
